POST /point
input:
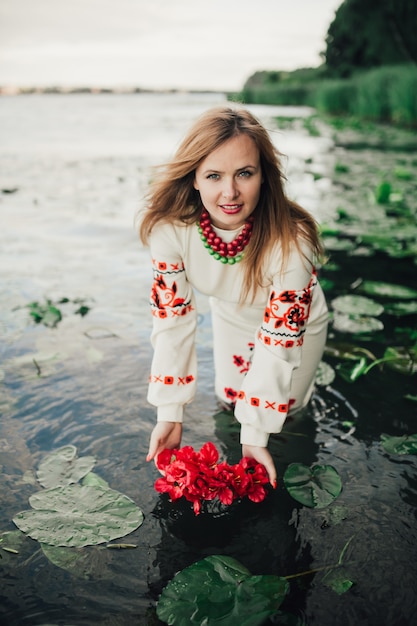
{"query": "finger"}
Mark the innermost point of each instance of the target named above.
(154, 448)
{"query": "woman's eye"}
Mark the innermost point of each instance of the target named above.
(212, 177)
(245, 174)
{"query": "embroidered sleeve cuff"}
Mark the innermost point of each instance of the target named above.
(251, 436)
(170, 413)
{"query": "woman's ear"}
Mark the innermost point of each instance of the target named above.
(195, 184)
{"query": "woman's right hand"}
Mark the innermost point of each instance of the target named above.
(165, 435)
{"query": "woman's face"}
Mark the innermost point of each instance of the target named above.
(229, 181)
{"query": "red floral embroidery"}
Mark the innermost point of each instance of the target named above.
(230, 394)
(165, 299)
(286, 316)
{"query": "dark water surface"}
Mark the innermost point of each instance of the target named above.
(73, 170)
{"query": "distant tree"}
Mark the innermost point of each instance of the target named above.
(370, 33)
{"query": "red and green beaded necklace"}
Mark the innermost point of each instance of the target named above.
(225, 252)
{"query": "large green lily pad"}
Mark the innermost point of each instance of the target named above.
(79, 515)
(62, 467)
(315, 487)
(220, 590)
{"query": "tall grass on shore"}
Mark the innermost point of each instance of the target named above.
(385, 94)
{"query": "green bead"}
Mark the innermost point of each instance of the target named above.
(211, 251)
(216, 255)
(238, 258)
(207, 245)
(223, 259)
(231, 260)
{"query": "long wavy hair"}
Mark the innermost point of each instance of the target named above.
(172, 197)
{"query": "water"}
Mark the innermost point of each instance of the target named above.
(73, 170)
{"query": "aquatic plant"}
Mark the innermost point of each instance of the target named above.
(74, 515)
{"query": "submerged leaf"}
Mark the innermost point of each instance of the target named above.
(61, 467)
(77, 515)
(315, 486)
(80, 563)
(406, 444)
(220, 590)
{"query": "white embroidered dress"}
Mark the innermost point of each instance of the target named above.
(265, 353)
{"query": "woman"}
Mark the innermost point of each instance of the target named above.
(218, 220)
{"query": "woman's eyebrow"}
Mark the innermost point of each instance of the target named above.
(239, 169)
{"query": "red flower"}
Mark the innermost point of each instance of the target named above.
(198, 476)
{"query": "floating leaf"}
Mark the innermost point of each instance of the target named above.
(357, 305)
(405, 444)
(401, 359)
(11, 543)
(356, 324)
(220, 590)
(402, 308)
(338, 581)
(325, 374)
(62, 467)
(336, 244)
(79, 515)
(315, 486)
(390, 290)
(47, 313)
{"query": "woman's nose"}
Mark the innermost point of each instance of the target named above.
(229, 189)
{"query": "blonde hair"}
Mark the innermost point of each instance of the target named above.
(172, 197)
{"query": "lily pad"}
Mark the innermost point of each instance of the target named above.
(390, 290)
(62, 467)
(325, 374)
(357, 305)
(402, 308)
(356, 324)
(405, 444)
(315, 487)
(79, 515)
(220, 590)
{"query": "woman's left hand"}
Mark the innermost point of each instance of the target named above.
(263, 456)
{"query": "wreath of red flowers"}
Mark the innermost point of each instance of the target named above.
(198, 476)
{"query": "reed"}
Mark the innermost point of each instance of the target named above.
(385, 94)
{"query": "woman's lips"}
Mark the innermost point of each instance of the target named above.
(231, 209)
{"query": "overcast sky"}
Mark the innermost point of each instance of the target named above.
(210, 44)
